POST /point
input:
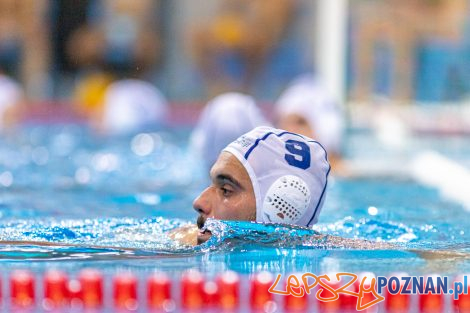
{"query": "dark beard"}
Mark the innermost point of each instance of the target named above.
(200, 221)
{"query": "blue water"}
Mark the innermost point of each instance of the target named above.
(108, 203)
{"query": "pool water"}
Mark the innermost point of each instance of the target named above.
(109, 202)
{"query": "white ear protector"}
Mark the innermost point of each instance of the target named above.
(287, 200)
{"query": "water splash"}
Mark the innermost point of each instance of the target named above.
(130, 237)
(230, 234)
(99, 235)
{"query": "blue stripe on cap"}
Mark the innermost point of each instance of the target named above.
(247, 154)
(321, 196)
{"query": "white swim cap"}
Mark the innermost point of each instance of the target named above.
(288, 172)
(10, 94)
(223, 120)
(308, 98)
(131, 104)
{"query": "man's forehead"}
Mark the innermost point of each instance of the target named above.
(227, 163)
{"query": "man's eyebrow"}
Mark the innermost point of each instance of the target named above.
(225, 178)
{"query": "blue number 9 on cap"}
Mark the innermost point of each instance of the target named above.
(299, 150)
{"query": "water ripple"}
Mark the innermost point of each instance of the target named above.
(130, 237)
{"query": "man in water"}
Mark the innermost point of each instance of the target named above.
(267, 175)
(270, 175)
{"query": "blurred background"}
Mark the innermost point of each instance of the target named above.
(400, 68)
(411, 52)
(383, 84)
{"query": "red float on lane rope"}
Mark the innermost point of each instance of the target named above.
(192, 294)
(431, 303)
(90, 291)
(159, 293)
(22, 288)
(229, 290)
(55, 289)
(462, 304)
(211, 294)
(260, 297)
(368, 297)
(125, 291)
(296, 303)
(339, 305)
(397, 303)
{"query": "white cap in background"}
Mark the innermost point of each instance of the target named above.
(308, 98)
(132, 104)
(224, 119)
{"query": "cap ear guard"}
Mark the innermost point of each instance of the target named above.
(287, 200)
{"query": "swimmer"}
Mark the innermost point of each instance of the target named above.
(11, 101)
(267, 175)
(132, 104)
(224, 119)
(270, 175)
(124, 106)
(306, 108)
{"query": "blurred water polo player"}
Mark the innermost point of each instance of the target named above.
(11, 101)
(223, 120)
(305, 107)
(126, 106)
(132, 104)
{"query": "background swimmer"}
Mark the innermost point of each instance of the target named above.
(123, 106)
(11, 101)
(305, 107)
(132, 104)
(224, 119)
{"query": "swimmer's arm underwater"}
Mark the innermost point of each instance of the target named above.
(185, 235)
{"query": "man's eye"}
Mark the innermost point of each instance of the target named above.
(226, 192)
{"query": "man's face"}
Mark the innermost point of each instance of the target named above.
(229, 197)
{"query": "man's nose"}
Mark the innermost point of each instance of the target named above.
(203, 204)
